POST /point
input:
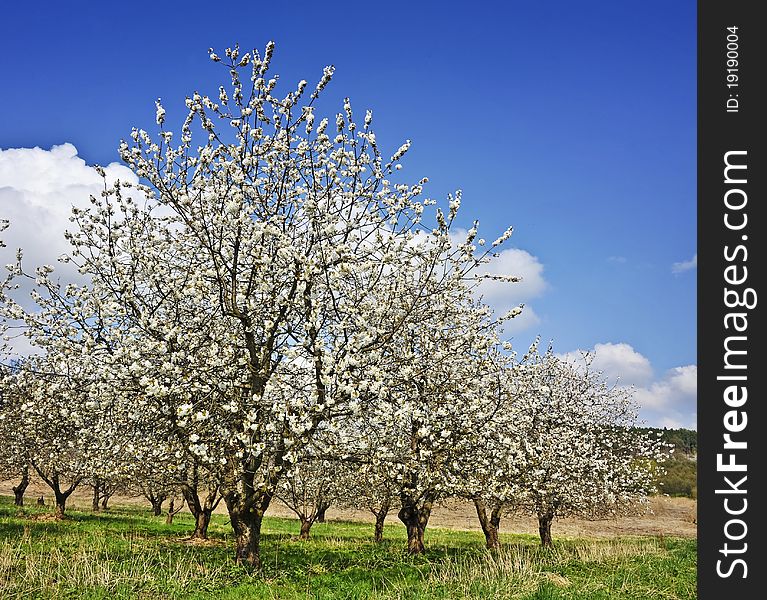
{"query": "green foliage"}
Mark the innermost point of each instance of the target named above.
(127, 553)
(681, 470)
(680, 478)
(685, 441)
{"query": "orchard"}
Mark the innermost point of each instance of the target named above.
(272, 312)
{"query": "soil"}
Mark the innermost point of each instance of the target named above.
(675, 517)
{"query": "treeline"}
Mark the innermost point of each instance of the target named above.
(685, 441)
(680, 478)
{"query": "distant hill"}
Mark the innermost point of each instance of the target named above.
(685, 441)
(682, 469)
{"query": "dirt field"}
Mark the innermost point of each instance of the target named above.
(669, 516)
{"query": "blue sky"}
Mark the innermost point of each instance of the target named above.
(575, 122)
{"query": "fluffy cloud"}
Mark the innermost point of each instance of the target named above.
(38, 189)
(618, 362)
(671, 401)
(668, 401)
(525, 321)
(502, 296)
(520, 263)
(686, 265)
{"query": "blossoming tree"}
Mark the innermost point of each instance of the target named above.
(436, 391)
(236, 297)
(564, 444)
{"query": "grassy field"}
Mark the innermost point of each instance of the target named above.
(127, 553)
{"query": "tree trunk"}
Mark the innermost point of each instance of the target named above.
(201, 514)
(378, 535)
(105, 500)
(247, 532)
(489, 524)
(306, 525)
(415, 520)
(61, 505)
(195, 507)
(415, 543)
(96, 496)
(18, 490)
(171, 514)
(380, 516)
(157, 507)
(246, 508)
(201, 510)
(173, 511)
(321, 512)
(201, 522)
(544, 529)
(156, 501)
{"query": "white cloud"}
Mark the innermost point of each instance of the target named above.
(525, 321)
(678, 382)
(686, 265)
(672, 399)
(618, 362)
(668, 401)
(502, 296)
(519, 263)
(37, 191)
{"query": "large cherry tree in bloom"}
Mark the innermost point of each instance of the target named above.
(240, 295)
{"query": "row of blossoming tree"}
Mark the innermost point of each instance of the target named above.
(271, 313)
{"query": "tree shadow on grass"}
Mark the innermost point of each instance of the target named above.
(340, 557)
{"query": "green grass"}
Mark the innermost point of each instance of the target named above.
(127, 553)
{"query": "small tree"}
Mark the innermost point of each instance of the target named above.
(371, 488)
(14, 458)
(437, 395)
(56, 435)
(573, 446)
(309, 488)
(156, 497)
(21, 487)
(202, 493)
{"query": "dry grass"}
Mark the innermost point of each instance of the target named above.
(518, 571)
(95, 566)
